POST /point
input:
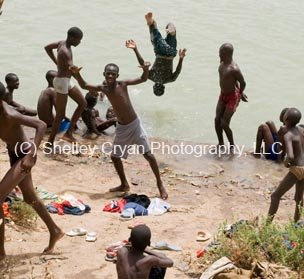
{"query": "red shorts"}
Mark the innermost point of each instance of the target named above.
(231, 100)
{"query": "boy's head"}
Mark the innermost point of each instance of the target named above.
(50, 75)
(91, 100)
(282, 114)
(140, 237)
(158, 89)
(111, 73)
(292, 117)
(74, 36)
(12, 81)
(2, 91)
(226, 51)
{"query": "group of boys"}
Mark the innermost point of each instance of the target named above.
(131, 262)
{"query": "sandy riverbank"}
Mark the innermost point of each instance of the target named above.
(203, 193)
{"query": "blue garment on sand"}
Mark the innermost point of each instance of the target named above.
(51, 209)
(272, 151)
(76, 210)
(64, 125)
(139, 210)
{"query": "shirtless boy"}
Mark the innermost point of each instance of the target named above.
(132, 263)
(165, 51)
(129, 130)
(232, 85)
(294, 142)
(22, 158)
(90, 117)
(63, 84)
(274, 143)
(12, 83)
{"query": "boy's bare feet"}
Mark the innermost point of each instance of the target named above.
(149, 19)
(53, 240)
(121, 188)
(162, 191)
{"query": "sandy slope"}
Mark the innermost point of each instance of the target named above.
(203, 192)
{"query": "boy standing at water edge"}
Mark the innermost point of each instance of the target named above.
(294, 143)
(63, 84)
(232, 85)
(132, 263)
(129, 130)
(23, 157)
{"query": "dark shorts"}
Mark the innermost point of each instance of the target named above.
(17, 155)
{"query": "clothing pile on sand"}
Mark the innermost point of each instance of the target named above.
(137, 205)
(68, 204)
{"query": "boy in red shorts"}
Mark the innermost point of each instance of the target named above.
(232, 85)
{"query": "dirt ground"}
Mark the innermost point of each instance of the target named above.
(203, 192)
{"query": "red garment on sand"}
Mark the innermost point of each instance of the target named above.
(231, 100)
(115, 206)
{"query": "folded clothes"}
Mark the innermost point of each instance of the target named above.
(115, 206)
(142, 200)
(66, 207)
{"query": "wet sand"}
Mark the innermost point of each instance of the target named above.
(203, 193)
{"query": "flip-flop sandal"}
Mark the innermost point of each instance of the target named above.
(76, 232)
(91, 236)
(111, 257)
(127, 214)
(135, 224)
(163, 245)
(203, 236)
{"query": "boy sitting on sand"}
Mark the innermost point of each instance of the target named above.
(22, 154)
(12, 83)
(274, 143)
(129, 130)
(294, 142)
(90, 117)
(232, 85)
(132, 263)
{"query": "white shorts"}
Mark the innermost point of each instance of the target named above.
(62, 85)
(127, 135)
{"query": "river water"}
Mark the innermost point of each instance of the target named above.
(267, 37)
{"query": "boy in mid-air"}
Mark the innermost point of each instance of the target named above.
(90, 117)
(294, 142)
(274, 143)
(12, 83)
(165, 51)
(132, 263)
(232, 85)
(129, 130)
(22, 154)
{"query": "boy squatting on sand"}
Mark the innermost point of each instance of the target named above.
(294, 142)
(133, 264)
(129, 129)
(22, 159)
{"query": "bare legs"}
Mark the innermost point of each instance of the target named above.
(13, 178)
(265, 133)
(286, 184)
(124, 187)
(222, 122)
(61, 102)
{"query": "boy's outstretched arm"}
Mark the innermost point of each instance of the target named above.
(49, 50)
(143, 77)
(1, 3)
(182, 54)
(289, 150)
(132, 45)
(82, 83)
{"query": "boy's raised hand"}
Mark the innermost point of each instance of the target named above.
(131, 44)
(145, 66)
(182, 53)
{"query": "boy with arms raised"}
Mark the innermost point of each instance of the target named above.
(23, 157)
(129, 130)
